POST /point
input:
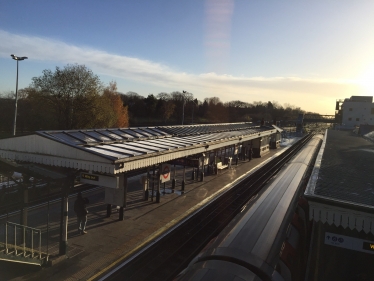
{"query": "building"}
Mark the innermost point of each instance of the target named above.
(356, 111)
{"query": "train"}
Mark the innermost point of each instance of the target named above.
(268, 239)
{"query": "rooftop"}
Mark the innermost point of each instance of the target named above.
(118, 150)
(360, 99)
(346, 172)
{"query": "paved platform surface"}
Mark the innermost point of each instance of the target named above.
(109, 240)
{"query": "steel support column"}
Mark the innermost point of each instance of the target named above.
(108, 210)
(122, 208)
(184, 177)
(202, 168)
(153, 182)
(158, 193)
(25, 202)
(146, 192)
(64, 215)
(174, 181)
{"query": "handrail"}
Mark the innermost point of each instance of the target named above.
(26, 248)
(21, 225)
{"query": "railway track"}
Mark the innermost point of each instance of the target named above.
(164, 259)
(15, 208)
(54, 196)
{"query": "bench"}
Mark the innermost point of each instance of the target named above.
(220, 166)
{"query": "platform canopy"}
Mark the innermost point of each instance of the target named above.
(341, 188)
(118, 150)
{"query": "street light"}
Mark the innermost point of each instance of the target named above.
(184, 100)
(15, 110)
(193, 107)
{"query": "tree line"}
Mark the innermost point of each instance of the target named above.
(73, 97)
(179, 107)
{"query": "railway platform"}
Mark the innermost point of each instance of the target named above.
(110, 241)
(341, 206)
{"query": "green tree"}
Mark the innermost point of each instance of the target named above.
(217, 112)
(165, 106)
(73, 94)
(180, 100)
(135, 104)
(36, 112)
(238, 111)
(6, 114)
(150, 106)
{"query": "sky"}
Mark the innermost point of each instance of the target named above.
(306, 54)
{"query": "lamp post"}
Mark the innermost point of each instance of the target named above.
(15, 110)
(193, 107)
(184, 100)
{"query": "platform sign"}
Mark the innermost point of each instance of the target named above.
(101, 180)
(165, 172)
(350, 243)
(185, 162)
(89, 177)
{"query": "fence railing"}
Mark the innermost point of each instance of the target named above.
(23, 242)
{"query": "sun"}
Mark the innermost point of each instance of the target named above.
(366, 80)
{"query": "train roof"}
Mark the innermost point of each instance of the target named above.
(255, 236)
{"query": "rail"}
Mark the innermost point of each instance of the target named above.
(21, 245)
(11, 207)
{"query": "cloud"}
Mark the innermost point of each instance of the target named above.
(316, 95)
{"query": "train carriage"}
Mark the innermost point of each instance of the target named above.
(266, 241)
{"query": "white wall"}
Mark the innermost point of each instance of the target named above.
(356, 113)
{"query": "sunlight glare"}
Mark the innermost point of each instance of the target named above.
(367, 80)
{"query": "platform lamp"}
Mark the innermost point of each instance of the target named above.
(193, 107)
(15, 110)
(184, 101)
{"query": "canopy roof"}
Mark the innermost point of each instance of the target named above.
(123, 149)
(341, 189)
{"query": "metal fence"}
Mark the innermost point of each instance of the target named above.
(23, 242)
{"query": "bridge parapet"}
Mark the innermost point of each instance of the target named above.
(317, 118)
